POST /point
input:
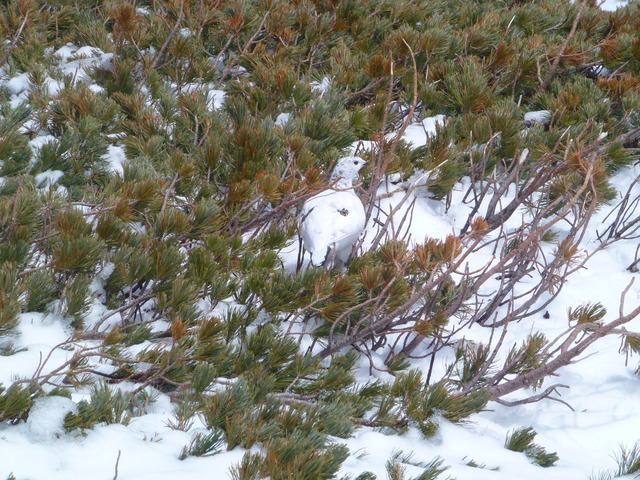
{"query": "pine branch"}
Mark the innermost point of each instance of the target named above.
(163, 50)
(133, 303)
(563, 48)
(566, 355)
(386, 157)
(546, 394)
(14, 40)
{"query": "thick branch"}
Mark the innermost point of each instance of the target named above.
(564, 358)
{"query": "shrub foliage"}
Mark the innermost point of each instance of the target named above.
(227, 115)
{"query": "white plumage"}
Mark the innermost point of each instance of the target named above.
(332, 220)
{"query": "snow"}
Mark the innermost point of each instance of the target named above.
(46, 418)
(37, 143)
(141, 451)
(419, 133)
(116, 157)
(321, 86)
(53, 86)
(215, 97)
(75, 62)
(540, 116)
(48, 178)
(282, 119)
(613, 5)
(603, 393)
(18, 84)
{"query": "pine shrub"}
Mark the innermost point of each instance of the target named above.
(182, 248)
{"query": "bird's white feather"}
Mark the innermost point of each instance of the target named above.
(332, 220)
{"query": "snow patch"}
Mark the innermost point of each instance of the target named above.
(282, 119)
(613, 5)
(18, 84)
(48, 178)
(322, 86)
(540, 116)
(116, 157)
(420, 133)
(46, 418)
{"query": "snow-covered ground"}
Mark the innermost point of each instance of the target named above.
(612, 5)
(603, 393)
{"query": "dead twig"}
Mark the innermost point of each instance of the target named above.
(115, 477)
(556, 62)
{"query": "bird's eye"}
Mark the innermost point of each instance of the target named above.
(355, 162)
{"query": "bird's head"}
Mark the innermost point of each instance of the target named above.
(347, 169)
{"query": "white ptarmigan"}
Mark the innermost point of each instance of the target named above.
(332, 220)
